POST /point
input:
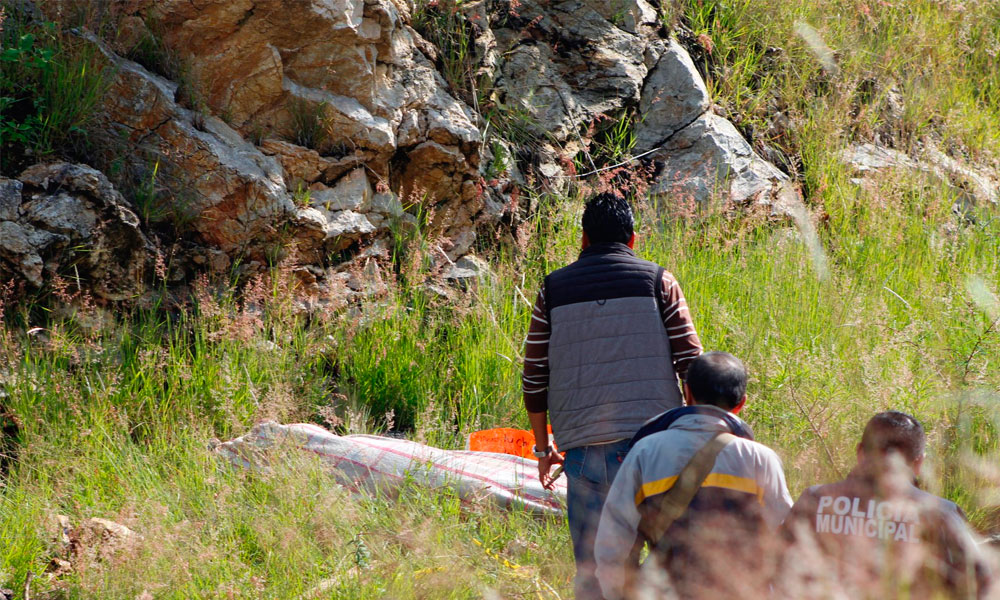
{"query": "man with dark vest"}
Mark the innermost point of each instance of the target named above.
(610, 335)
(876, 534)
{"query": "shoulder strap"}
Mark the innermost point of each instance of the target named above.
(675, 501)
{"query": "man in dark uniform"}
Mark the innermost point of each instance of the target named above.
(878, 534)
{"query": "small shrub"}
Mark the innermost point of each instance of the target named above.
(302, 196)
(50, 84)
(444, 25)
(309, 123)
(500, 161)
(612, 139)
(144, 196)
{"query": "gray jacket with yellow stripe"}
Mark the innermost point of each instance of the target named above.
(747, 482)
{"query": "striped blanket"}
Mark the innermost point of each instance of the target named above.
(368, 462)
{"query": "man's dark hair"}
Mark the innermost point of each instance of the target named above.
(894, 431)
(717, 378)
(607, 218)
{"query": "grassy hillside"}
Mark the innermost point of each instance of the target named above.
(893, 305)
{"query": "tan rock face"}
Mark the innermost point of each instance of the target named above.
(304, 166)
(348, 69)
(231, 194)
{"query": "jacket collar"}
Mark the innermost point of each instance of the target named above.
(607, 248)
(701, 416)
(878, 480)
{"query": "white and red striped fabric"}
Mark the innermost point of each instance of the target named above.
(381, 463)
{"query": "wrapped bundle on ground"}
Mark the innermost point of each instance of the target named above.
(381, 463)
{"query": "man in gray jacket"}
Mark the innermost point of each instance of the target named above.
(610, 335)
(728, 519)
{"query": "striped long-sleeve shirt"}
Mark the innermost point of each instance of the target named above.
(684, 343)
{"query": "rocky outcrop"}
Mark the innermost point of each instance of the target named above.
(308, 130)
(218, 184)
(673, 97)
(346, 78)
(709, 162)
(559, 66)
(698, 156)
(563, 65)
(68, 220)
(972, 186)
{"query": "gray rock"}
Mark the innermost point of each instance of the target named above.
(349, 193)
(709, 160)
(468, 268)
(868, 157)
(322, 230)
(981, 187)
(973, 186)
(62, 213)
(597, 68)
(10, 198)
(386, 204)
(311, 225)
(20, 246)
(74, 216)
(347, 224)
(673, 96)
(53, 177)
(633, 15)
(346, 116)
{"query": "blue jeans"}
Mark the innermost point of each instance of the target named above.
(589, 473)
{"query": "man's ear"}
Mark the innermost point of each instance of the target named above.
(736, 409)
(631, 241)
(688, 396)
(584, 241)
(917, 464)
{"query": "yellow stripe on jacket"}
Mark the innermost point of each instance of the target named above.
(718, 480)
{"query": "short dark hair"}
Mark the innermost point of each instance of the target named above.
(717, 378)
(894, 431)
(608, 218)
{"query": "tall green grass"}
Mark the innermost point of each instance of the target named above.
(116, 422)
(117, 411)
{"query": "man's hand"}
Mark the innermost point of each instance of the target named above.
(545, 465)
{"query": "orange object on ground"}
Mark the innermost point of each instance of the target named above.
(504, 440)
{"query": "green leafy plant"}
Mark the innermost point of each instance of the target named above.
(302, 196)
(500, 161)
(50, 84)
